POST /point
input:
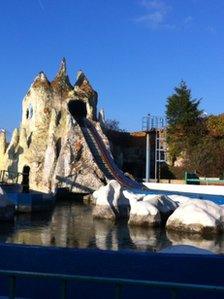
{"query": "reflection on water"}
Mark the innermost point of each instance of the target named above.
(215, 244)
(72, 225)
(149, 239)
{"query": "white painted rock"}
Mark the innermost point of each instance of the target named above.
(197, 216)
(179, 198)
(133, 196)
(113, 202)
(163, 203)
(111, 194)
(143, 213)
(110, 202)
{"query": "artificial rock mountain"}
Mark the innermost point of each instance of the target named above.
(50, 141)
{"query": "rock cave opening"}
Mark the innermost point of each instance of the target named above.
(78, 110)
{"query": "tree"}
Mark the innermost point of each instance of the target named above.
(207, 157)
(113, 124)
(215, 125)
(185, 124)
(198, 139)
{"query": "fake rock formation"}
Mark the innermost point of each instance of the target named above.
(50, 141)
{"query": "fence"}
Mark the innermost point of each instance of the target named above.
(192, 178)
(117, 282)
(9, 177)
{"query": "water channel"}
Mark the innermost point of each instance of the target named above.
(71, 225)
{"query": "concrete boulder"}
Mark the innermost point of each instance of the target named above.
(143, 213)
(179, 199)
(197, 216)
(110, 202)
(140, 208)
(133, 196)
(151, 210)
(165, 205)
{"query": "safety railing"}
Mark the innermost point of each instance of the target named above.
(152, 122)
(9, 177)
(192, 178)
(118, 283)
(206, 181)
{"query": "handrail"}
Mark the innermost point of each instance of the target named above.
(205, 180)
(14, 179)
(202, 180)
(119, 283)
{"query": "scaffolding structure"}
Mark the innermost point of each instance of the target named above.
(160, 151)
(156, 124)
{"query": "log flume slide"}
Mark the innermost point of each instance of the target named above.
(103, 157)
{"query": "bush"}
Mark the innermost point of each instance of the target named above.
(215, 125)
(207, 157)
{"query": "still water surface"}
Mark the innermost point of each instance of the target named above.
(72, 225)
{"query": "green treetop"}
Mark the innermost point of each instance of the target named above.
(184, 118)
(181, 109)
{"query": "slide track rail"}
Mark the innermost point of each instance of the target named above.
(108, 160)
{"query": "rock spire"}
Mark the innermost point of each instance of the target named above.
(41, 81)
(61, 81)
(82, 84)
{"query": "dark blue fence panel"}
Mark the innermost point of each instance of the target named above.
(194, 269)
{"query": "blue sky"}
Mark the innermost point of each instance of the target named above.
(134, 52)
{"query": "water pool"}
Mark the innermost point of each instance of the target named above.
(71, 225)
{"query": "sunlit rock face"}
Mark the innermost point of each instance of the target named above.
(143, 208)
(2, 145)
(50, 141)
(142, 213)
(197, 216)
(139, 208)
(110, 202)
